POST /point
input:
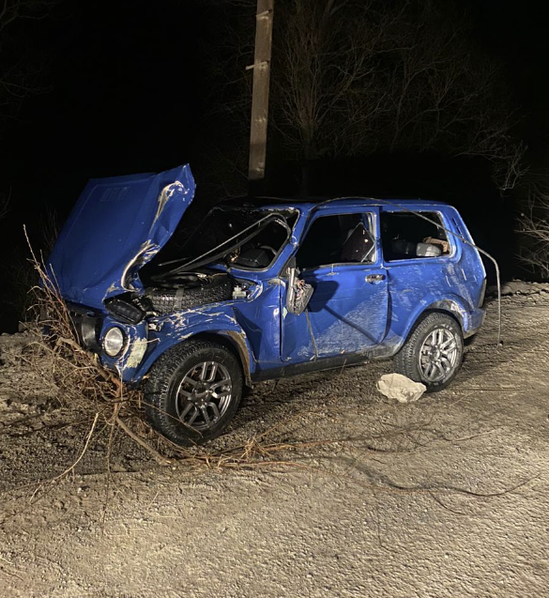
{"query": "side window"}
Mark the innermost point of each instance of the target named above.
(343, 238)
(407, 236)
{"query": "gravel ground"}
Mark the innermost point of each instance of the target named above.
(444, 497)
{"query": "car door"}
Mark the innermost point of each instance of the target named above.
(347, 314)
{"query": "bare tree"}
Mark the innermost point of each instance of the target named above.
(533, 226)
(354, 76)
(4, 205)
(447, 95)
(325, 85)
(19, 76)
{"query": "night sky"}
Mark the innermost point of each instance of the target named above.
(517, 32)
(125, 97)
(127, 93)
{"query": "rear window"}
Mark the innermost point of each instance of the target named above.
(408, 236)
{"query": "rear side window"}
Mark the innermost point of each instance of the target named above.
(342, 238)
(407, 236)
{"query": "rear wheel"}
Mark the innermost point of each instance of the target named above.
(193, 392)
(433, 352)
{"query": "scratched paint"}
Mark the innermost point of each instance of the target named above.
(136, 354)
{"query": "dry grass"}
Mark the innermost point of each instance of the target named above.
(81, 381)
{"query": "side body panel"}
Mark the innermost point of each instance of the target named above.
(449, 283)
(260, 318)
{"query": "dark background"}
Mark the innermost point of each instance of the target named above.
(127, 93)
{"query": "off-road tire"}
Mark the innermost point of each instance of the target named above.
(407, 360)
(214, 288)
(164, 378)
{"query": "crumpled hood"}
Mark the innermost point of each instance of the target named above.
(117, 225)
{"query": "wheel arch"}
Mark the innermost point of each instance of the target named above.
(441, 308)
(453, 308)
(446, 307)
(233, 340)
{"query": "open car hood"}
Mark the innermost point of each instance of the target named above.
(117, 225)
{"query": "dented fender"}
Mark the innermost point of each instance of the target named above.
(164, 332)
(132, 355)
(469, 318)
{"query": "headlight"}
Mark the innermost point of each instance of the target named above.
(113, 341)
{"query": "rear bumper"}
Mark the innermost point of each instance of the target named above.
(475, 322)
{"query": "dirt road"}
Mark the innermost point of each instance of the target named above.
(445, 497)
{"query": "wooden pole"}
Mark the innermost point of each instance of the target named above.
(260, 93)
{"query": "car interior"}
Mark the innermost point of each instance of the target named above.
(407, 236)
(337, 239)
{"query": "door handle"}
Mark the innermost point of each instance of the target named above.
(375, 278)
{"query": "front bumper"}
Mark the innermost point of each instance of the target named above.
(91, 327)
(131, 356)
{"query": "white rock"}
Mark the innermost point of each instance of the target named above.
(401, 388)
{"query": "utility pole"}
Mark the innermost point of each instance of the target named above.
(260, 93)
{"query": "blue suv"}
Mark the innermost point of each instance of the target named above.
(262, 289)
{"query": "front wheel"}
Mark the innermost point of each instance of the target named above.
(193, 392)
(433, 352)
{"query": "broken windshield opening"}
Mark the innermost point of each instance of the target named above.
(238, 237)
